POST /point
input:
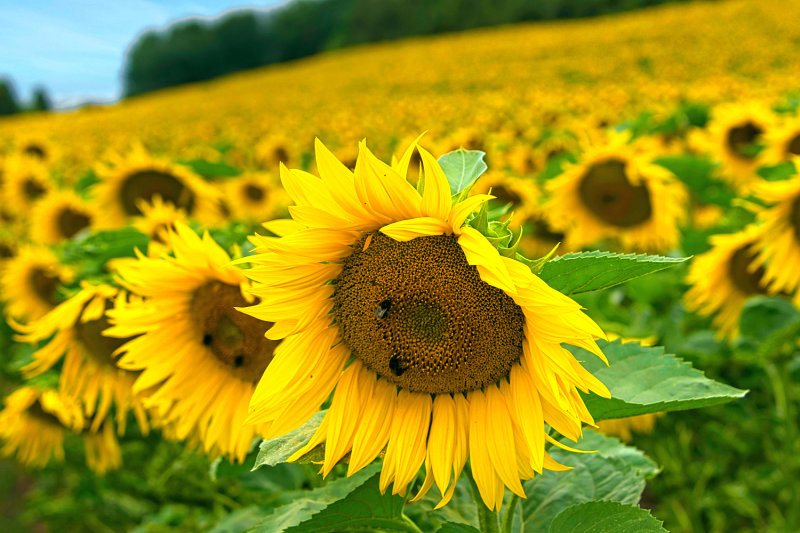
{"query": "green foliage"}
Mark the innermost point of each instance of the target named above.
(462, 168)
(89, 255)
(605, 517)
(698, 174)
(643, 379)
(8, 98)
(616, 473)
(278, 450)
(212, 170)
(593, 271)
(41, 100)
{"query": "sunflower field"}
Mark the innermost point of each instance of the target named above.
(532, 278)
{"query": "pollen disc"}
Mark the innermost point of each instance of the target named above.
(417, 314)
(607, 193)
(148, 183)
(70, 222)
(234, 338)
(742, 137)
(747, 281)
(794, 218)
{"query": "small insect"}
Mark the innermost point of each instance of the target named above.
(396, 366)
(383, 308)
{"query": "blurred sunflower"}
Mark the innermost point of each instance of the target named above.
(25, 181)
(199, 357)
(723, 278)
(35, 422)
(254, 197)
(275, 149)
(59, 216)
(624, 428)
(778, 245)
(88, 372)
(614, 192)
(454, 351)
(781, 143)
(735, 133)
(127, 179)
(30, 282)
(156, 220)
(8, 248)
(37, 147)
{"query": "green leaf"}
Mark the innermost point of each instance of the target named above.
(616, 472)
(239, 520)
(643, 379)
(594, 271)
(698, 174)
(606, 517)
(347, 504)
(780, 172)
(278, 450)
(212, 169)
(455, 527)
(762, 315)
(462, 168)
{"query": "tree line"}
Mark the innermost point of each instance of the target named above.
(197, 50)
(10, 104)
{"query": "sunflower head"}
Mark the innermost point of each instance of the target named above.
(427, 337)
(614, 192)
(30, 282)
(59, 216)
(186, 303)
(254, 197)
(135, 177)
(25, 181)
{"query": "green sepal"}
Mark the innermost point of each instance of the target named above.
(537, 265)
(481, 221)
(511, 249)
(499, 234)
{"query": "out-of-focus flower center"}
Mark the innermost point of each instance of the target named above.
(748, 282)
(70, 222)
(44, 285)
(419, 315)
(740, 138)
(146, 184)
(236, 340)
(606, 191)
(794, 217)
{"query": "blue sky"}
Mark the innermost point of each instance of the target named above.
(76, 48)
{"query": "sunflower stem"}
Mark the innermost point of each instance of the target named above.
(414, 528)
(487, 519)
(508, 518)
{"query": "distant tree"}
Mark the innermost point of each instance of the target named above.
(41, 100)
(8, 98)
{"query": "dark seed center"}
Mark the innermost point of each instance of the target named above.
(44, 285)
(505, 196)
(793, 148)
(71, 222)
(607, 193)
(145, 185)
(794, 218)
(234, 338)
(100, 347)
(744, 280)
(741, 139)
(419, 315)
(33, 189)
(35, 150)
(254, 193)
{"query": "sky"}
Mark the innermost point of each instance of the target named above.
(76, 48)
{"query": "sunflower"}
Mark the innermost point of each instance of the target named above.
(254, 197)
(125, 180)
(781, 143)
(25, 181)
(8, 248)
(434, 346)
(156, 220)
(199, 358)
(36, 147)
(725, 277)
(30, 282)
(735, 131)
(273, 150)
(35, 422)
(614, 192)
(59, 216)
(624, 428)
(779, 244)
(89, 372)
